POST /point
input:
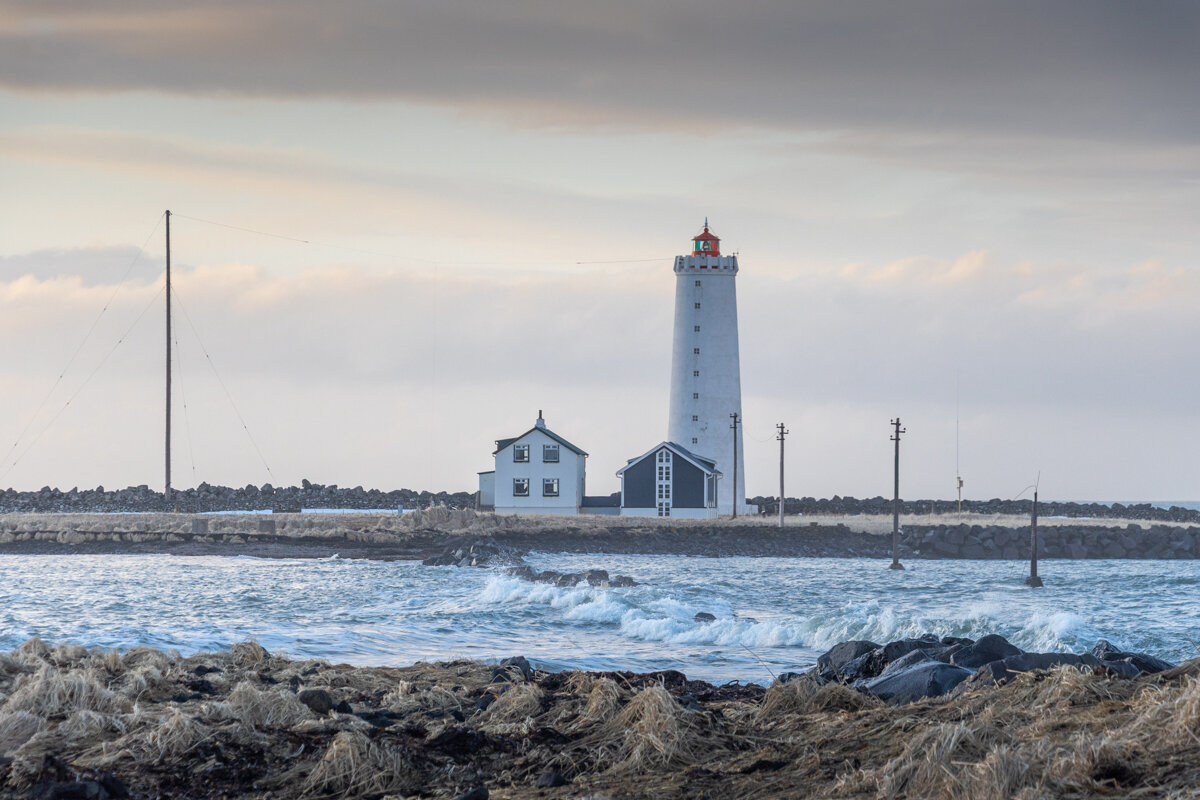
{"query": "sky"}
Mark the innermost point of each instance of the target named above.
(402, 228)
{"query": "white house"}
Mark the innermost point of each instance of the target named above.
(669, 481)
(538, 472)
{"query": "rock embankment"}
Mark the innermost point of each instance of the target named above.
(1056, 541)
(848, 506)
(209, 498)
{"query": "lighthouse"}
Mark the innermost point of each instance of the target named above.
(706, 382)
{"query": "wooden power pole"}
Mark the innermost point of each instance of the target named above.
(782, 433)
(734, 426)
(167, 488)
(1033, 579)
(896, 499)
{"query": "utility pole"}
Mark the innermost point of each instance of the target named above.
(1033, 580)
(782, 433)
(734, 426)
(896, 499)
(167, 489)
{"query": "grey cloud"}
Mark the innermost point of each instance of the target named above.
(1072, 69)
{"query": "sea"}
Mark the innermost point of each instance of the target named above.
(772, 615)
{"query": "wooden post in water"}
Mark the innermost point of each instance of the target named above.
(167, 482)
(896, 500)
(782, 433)
(1033, 579)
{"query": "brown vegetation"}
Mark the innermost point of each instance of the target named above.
(240, 723)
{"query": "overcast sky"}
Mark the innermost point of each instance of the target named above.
(403, 228)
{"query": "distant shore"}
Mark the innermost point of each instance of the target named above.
(417, 535)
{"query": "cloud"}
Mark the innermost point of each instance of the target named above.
(1075, 69)
(393, 378)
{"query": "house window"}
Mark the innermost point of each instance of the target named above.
(550, 453)
(520, 487)
(521, 454)
(695, 329)
(664, 509)
(664, 491)
(695, 418)
(695, 351)
(697, 306)
(549, 487)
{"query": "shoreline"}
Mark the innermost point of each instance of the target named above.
(419, 535)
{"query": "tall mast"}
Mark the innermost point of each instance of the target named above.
(167, 489)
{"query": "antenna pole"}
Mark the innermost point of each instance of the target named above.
(734, 425)
(782, 433)
(896, 499)
(167, 487)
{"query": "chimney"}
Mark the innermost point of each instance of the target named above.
(541, 423)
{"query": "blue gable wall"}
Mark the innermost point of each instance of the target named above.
(638, 482)
(687, 485)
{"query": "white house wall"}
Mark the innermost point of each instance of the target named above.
(570, 471)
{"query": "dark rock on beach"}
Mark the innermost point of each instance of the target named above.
(906, 670)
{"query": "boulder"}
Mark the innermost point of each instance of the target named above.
(992, 647)
(926, 679)
(831, 662)
(704, 616)
(1147, 664)
(318, 700)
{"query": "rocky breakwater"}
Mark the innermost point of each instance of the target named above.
(467, 552)
(208, 497)
(1055, 541)
(908, 670)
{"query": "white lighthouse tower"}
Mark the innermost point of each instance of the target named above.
(706, 377)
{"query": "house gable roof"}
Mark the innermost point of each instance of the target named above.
(702, 463)
(503, 443)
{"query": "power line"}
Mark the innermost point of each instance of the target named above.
(224, 388)
(86, 337)
(82, 386)
(384, 254)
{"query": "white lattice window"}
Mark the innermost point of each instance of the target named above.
(550, 487)
(520, 454)
(520, 487)
(550, 453)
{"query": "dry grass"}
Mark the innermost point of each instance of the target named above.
(1057, 734)
(354, 766)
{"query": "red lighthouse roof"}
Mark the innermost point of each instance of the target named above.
(706, 243)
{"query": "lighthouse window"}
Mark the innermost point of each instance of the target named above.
(695, 351)
(697, 283)
(697, 306)
(695, 395)
(695, 328)
(695, 440)
(695, 418)
(695, 373)
(520, 487)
